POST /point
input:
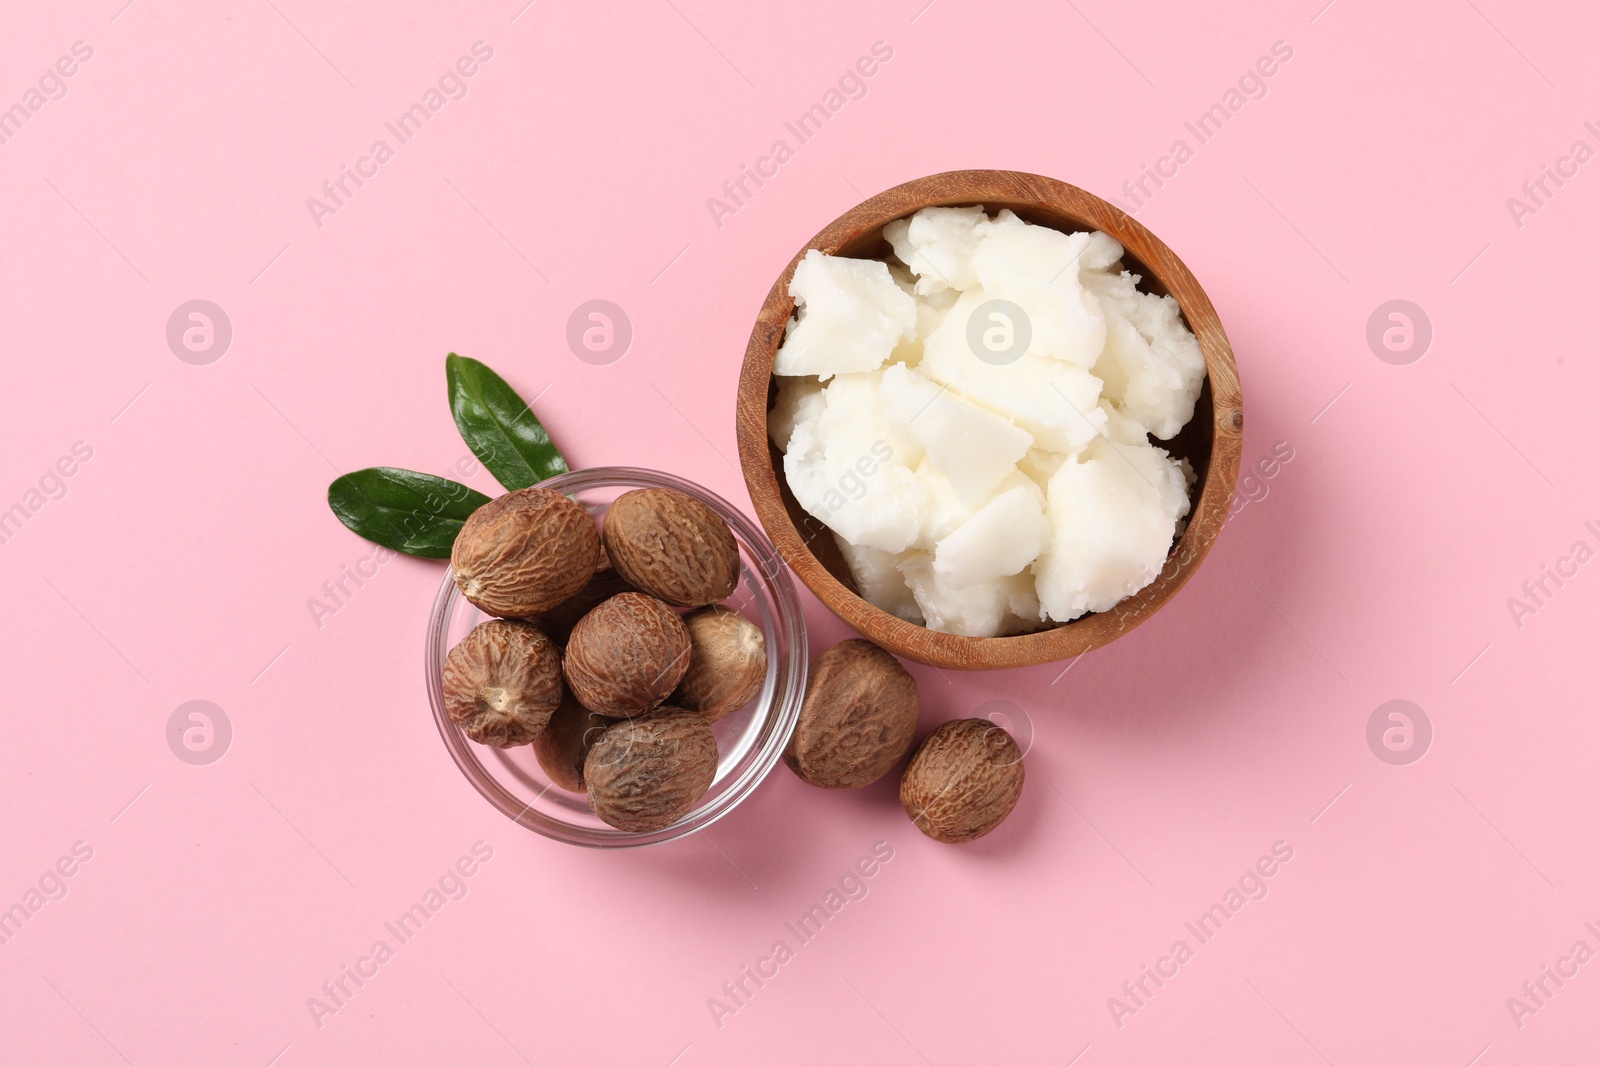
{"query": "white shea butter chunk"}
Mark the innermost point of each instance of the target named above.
(938, 244)
(1000, 539)
(1022, 605)
(930, 312)
(1113, 515)
(849, 470)
(799, 400)
(1056, 402)
(942, 508)
(975, 612)
(1121, 428)
(879, 581)
(1038, 269)
(971, 446)
(849, 316)
(1102, 253)
(992, 609)
(1151, 364)
(1039, 465)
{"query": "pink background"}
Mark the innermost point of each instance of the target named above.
(179, 564)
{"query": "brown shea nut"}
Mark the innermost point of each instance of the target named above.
(727, 662)
(858, 717)
(962, 781)
(501, 683)
(566, 741)
(672, 546)
(524, 552)
(647, 773)
(627, 655)
(605, 584)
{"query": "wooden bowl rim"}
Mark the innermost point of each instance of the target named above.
(995, 189)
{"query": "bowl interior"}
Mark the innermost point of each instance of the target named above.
(1210, 441)
(749, 741)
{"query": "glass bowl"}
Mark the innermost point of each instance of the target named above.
(749, 741)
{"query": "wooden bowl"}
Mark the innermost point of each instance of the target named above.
(1211, 441)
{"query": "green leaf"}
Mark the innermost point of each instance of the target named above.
(418, 514)
(499, 426)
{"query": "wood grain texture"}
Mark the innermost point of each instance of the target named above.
(1211, 441)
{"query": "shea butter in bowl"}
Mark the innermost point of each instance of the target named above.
(989, 420)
